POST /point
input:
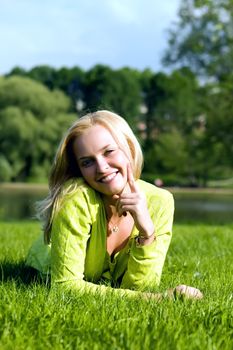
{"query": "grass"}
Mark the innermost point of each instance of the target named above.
(33, 317)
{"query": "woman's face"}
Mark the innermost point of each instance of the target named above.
(102, 164)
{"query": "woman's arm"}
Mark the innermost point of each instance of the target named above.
(146, 262)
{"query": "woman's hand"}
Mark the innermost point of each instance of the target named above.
(187, 292)
(135, 203)
(180, 292)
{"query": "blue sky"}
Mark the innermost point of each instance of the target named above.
(84, 33)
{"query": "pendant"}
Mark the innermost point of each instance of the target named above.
(115, 229)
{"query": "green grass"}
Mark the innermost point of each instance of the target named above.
(33, 317)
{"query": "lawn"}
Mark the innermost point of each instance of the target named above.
(33, 317)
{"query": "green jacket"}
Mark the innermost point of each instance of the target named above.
(77, 256)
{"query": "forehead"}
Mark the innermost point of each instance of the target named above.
(92, 141)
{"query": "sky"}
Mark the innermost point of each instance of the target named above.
(68, 33)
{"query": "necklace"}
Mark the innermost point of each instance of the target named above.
(113, 227)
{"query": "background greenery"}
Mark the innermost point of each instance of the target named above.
(183, 119)
(33, 317)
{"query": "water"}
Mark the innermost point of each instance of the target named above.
(215, 208)
(18, 204)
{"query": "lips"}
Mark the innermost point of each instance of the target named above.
(108, 178)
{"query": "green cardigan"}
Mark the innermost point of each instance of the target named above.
(78, 258)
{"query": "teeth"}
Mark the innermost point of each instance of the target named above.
(108, 177)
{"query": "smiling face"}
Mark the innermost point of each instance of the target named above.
(102, 163)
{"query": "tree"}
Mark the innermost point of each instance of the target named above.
(17, 71)
(202, 39)
(171, 101)
(17, 139)
(168, 158)
(71, 82)
(219, 119)
(33, 96)
(115, 90)
(32, 121)
(43, 74)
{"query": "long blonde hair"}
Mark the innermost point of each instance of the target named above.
(65, 166)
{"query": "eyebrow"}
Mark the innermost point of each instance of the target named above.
(102, 149)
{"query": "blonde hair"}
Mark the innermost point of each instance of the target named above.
(65, 166)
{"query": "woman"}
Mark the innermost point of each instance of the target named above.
(102, 225)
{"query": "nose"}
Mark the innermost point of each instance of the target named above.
(101, 165)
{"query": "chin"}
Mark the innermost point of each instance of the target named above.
(114, 190)
(112, 193)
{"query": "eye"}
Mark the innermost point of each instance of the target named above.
(109, 151)
(86, 163)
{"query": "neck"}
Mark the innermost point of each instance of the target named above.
(110, 206)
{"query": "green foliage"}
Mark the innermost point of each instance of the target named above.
(44, 74)
(182, 125)
(202, 39)
(68, 80)
(171, 100)
(34, 317)
(115, 90)
(5, 169)
(219, 110)
(33, 96)
(32, 121)
(172, 152)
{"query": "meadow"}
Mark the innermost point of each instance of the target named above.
(33, 317)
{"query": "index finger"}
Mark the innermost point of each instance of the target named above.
(130, 179)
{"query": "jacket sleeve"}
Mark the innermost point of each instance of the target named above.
(145, 263)
(70, 232)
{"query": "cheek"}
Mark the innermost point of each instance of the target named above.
(86, 173)
(123, 160)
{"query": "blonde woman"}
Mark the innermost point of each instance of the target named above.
(103, 226)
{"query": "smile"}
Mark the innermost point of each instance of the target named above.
(108, 178)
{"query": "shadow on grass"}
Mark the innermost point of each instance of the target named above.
(21, 274)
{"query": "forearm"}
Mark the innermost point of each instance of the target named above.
(146, 263)
(82, 287)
